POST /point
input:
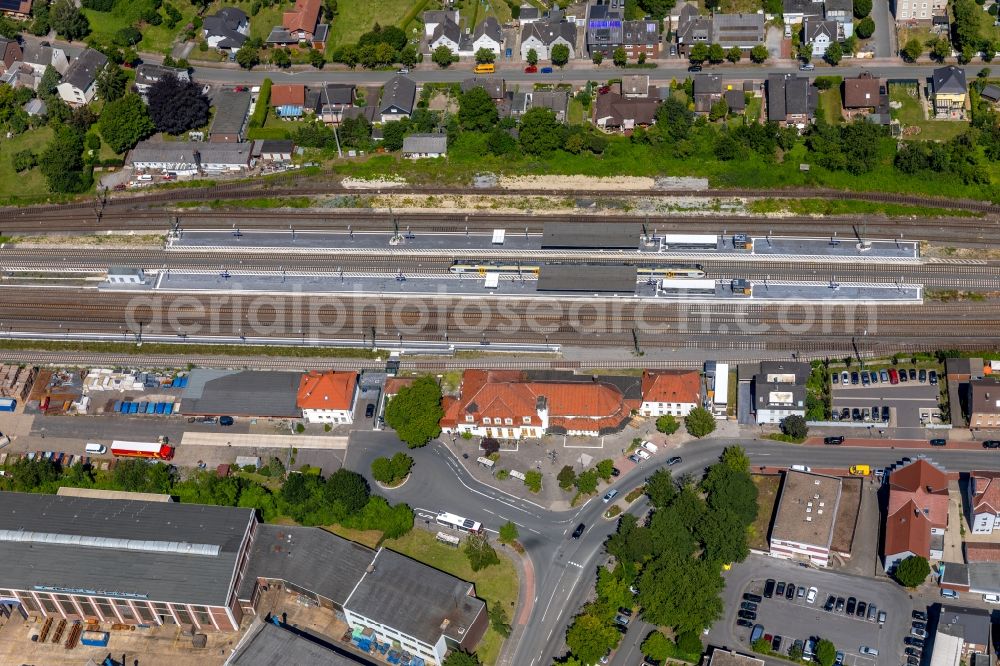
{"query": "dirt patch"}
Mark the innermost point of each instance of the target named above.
(128, 239)
(847, 516)
(931, 250)
(767, 497)
(617, 183)
(374, 183)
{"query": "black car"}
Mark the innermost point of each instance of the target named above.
(852, 603)
(769, 588)
(913, 374)
(918, 625)
(915, 642)
(776, 643)
(840, 604)
(790, 592)
(912, 661)
(226, 421)
(649, 661)
(831, 601)
(913, 652)
(369, 411)
(862, 608)
(932, 376)
(991, 444)
(748, 606)
(856, 414)
(694, 68)
(939, 442)
(922, 375)
(780, 590)
(673, 461)
(578, 532)
(756, 598)
(920, 615)
(615, 471)
(855, 378)
(627, 612)
(902, 376)
(744, 623)
(833, 441)
(885, 413)
(845, 414)
(747, 615)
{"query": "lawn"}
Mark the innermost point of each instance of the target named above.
(767, 495)
(753, 109)
(576, 112)
(832, 106)
(155, 38)
(27, 184)
(474, 11)
(911, 113)
(356, 17)
(495, 585)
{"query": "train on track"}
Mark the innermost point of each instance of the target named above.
(480, 267)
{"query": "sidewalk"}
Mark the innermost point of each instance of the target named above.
(263, 441)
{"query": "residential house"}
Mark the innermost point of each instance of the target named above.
(791, 99)
(917, 515)
(604, 28)
(419, 146)
(224, 157)
(796, 11)
(19, 10)
(736, 100)
(984, 403)
(919, 12)
(528, 14)
(779, 391)
(508, 404)
(226, 29)
(432, 19)
(863, 92)
(841, 11)
(707, 91)
(744, 31)
(991, 93)
(614, 111)
(804, 522)
(556, 101)
(301, 25)
(79, 83)
(543, 35)
(147, 74)
(335, 98)
(398, 97)
(273, 151)
(984, 502)
(328, 397)
(232, 110)
(288, 100)
(673, 392)
(190, 157)
(637, 85)
(641, 38)
(963, 637)
(949, 92)
(494, 86)
(447, 34)
(487, 35)
(35, 107)
(821, 34)
(10, 51)
(29, 68)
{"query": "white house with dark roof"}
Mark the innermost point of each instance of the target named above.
(542, 36)
(487, 35)
(227, 29)
(820, 34)
(419, 146)
(79, 83)
(432, 19)
(447, 33)
(147, 74)
(398, 97)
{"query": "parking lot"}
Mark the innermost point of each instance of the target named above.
(797, 619)
(910, 404)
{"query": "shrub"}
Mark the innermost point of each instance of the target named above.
(24, 160)
(699, 422)
(502, 475)
(912, 571)
(566, 477)
(795, 427)
(480, 553)
(490, 446)
(667, 424)
(533, 480)
(635, 494)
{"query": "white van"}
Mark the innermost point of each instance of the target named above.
(991, 598)
(801, 468)
(649, 446)
(642, 453)
(98, 449)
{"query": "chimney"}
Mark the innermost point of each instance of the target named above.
(444, 624)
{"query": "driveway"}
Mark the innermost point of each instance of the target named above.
(884, 39)
(773, 41)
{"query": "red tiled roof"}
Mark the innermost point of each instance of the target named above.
(674, 386)
(449, 404)
(394, 384)
(293, 94)
(326, 390)
(923, 484)
(907, 530)
(987, 485)
(305, 16)
(982, 552)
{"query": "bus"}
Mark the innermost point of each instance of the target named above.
(459, 523)
(152, 450)
(485, 68)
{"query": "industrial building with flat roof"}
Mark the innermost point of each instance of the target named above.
(807, 512)
(241, 393)
(266, 644)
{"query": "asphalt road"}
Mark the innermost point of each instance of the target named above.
(565, 568)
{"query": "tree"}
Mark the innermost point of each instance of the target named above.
(660, 488)
(667, 424)
(681, 593)
(24, 160)
(723, 536)
(734, 54)
(480, 553)
(716, 54)
(865, 28)
(393, 133)
(566, 477)
(805, 52)
(758, 54)
(484, 56)
(834, 53)
(719, 110)
(540, 132)
(67, 20)
(674, 118)
(125, 122)
(699, 422)
(316, 58)
(177, 106)
(127, 36)
(688, 642)
(347, 488)
(409, 57)
(391, 470)
(560, 55)
(657, 8)
(442, 56)
(111, 82)
(912, 571)
(940, 49)
(498, 620)
(476, 111)
(735, 458)
(586, 482)
(590, 637)
(50, 79)
(605, 468)
(912, 50)
(795, 427)
(657, 646)
(40, 15)
(826, 652)
(698, 53)
(461, 658)
(533, 480)
(281, 58)
(598, 58)
(532, 57)
(248, 56)
(619, 57)
(415, 411)
(862, 8)
(508, 532)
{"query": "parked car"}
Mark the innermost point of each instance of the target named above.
(883, 375)
(865, 381)
(852, 603)
(893, 376)
(856, 414)
(790, 592)
(615, 471)
(932, 376)
(991, 444)
(756, 598)
(922, 375)
(610, 495)
(881, 617)
(831, 601)
(779, 591)
(875, 412)
(835, 377)
(530, 69)
(769, 588)
(840, 659)
(917, 624)
(845, 414)
(919, 633)
(912, 661)
(844, 377)
(743, 623)
(747, 615)
(644, 454)
(855, 378)
(902, 375)
(862, 609)
(913, 652)
(915, 642)
(807, 67)
(649, 446)
(546, 70)
(226, 421)
(811, 597)
(748, 605)
(776, 643)
(938, 441)
(694, 68)
(840, 604)
(870, 651)
(634, 458)
(673, 461)
(913, 374)
(885, 413)
(369, 411)
(621, 620)
(920, 615)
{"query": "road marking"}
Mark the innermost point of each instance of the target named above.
(535, 531)
(544, 613)
(575, 564)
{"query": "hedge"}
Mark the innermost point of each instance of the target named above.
(260, 111)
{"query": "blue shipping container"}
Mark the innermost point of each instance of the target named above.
(169, 409)
(133, 408)
(8, 404)
(124, 407)
(117, 407)
(161, 407)
(151, 407)
(95, 638)
(142, 407)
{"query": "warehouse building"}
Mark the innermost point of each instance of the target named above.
(241, 393)
(807, 512)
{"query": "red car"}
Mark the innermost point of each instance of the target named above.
(893, 376)
(530, 69)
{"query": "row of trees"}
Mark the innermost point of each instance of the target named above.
(586, 481)
(674, 560)
(379, 47)
(715, 53)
